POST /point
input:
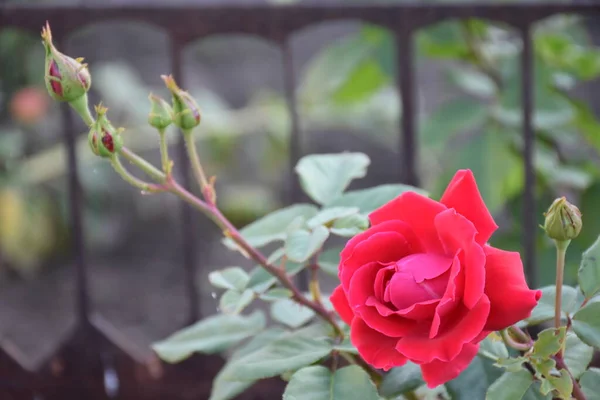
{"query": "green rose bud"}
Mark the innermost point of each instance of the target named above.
(186, 113)
(67, 79)
(103, 138)
(563, 220)
(161, 113)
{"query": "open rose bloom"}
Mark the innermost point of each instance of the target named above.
(422, 284)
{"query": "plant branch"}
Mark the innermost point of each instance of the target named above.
(205, 186)
(132, 180)
(577, 392)
(231, 232)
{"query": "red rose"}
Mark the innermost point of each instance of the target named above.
(422, 284)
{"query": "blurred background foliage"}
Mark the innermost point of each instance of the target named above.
(348, 85)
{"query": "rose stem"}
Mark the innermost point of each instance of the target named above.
(561, 251)
(230, 231)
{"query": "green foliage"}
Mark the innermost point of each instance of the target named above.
(401, 380)
(590, 384)
(229, 278)
(549, 342)
(319, 383)
(300, 245)
(234, 302)
(324, 177)
(211, 335)
(290, 313)
(473, 382)
(589, 271)
(289, 352)
(586, 323)
(578, 355)
(510, 386)
(544, 311)
(368, 200)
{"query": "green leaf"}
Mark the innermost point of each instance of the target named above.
(544, 311)
(368, 200)
(590, 384)
(328, 215)
(211, 335)
(493, 347)
(586, 323)
(363, 82)
(510, 386)
(443, 40)
(301, 245)
(346, 346)
(511, 364)
(276, 294)
(578, 355)
(234, 302)
(273, 227)
(224, 389)
(586, 122)
(473, 382)
(329, 260)
(318, 383)
(473, 82)
(290, 313)
(482, 154)
(350, 226)
(562, 384)
(589, 271)
(229, 278)
(534, 393)
(289, 352)
(549, 342)
(324, 177)
(401, 380)
(451, 118)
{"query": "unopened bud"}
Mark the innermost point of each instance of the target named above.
(186, 113)
(563, 220)
(67, 79)
(161, 113)
(103, 138)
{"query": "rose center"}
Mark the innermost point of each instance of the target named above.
(418, 278)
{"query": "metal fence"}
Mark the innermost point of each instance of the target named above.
(89, 365)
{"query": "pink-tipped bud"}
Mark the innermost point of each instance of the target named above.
(67, 79)
(103, 138)
(186, 113)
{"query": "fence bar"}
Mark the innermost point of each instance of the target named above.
(529, 216)
(295, 144)
(187, 226)
(75, 216)
(406, 89)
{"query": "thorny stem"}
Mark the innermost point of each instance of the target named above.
(577, 392)
(197, 166)
(132, 180)
(313, 285)
(164, 151)
(230, 231)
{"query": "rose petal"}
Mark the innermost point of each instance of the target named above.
(418, 212)
(382, 247)
(463, 328)
(340, 303)
(463, 195)
(391, 325)
(388, 226)
(452, 296)
(376, 349)
(382, 279)
(439, 372)
(361, 285)
(510, 297)
(458, 233)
